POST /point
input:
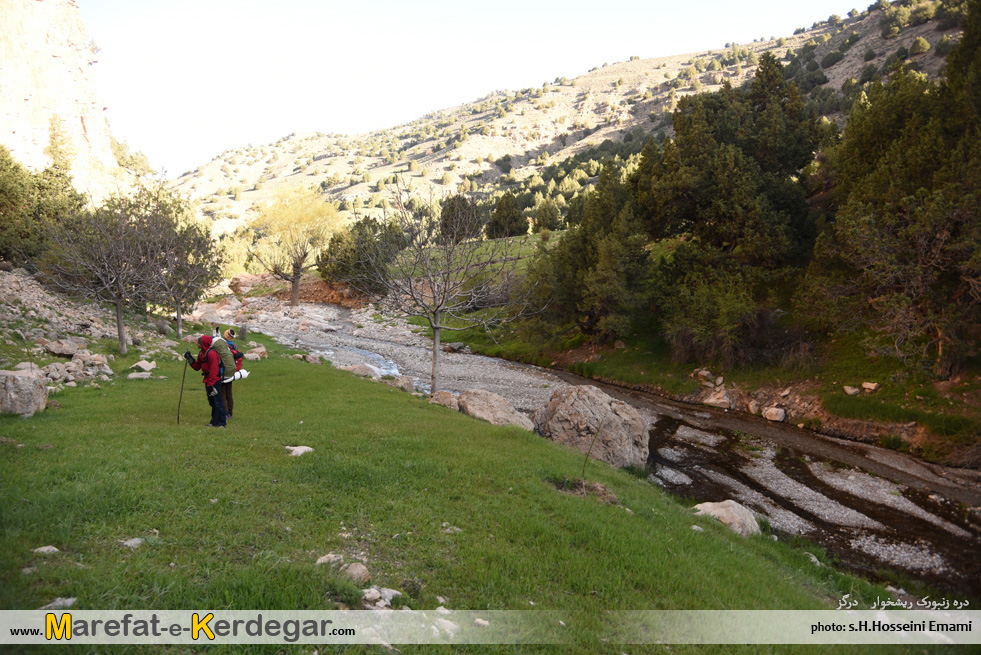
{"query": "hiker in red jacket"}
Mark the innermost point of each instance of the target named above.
(209, 363)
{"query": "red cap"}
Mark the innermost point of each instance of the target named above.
(204, 341)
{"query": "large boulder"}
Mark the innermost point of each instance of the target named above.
(62, 347)
(446, 399)
(492, 408)
(719, 398)
(22, 392)
(731, 514)
(574, 416)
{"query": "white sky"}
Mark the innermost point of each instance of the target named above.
(186, 79)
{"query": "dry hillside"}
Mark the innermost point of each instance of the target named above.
(456, 149)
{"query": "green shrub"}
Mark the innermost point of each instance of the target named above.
(920, 46)
(832, 58)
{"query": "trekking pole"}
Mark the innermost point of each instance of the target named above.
(181, 398)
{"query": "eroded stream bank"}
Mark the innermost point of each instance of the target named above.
(874, 509)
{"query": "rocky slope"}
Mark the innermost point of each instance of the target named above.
(458, 148)
(45, 73)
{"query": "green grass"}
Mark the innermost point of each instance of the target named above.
(231, 522)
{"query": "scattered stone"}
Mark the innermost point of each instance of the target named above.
(258, 353)
(871, 387)
(133, 543)
(851, 391)
(405, 383)
(814, 559)
(719, 380)
(29, 570)
(481, 623)
(59, 604)
(296, 451)
(450, 529)
(446, 399)
(589, 420)
(144, 365)
(139, 376)
(22, 392)
(454, 347)
(619, 345)
(388, 595)
(310, 359)
(785, 392)
(731, 514)
(331, 559)
(697, 528)
(45, 550)
(492, 408)
(62, 347)
(720, 398)
(357, 572)
(754, 407)
(445, 626)
(371, 595)
(777, 414)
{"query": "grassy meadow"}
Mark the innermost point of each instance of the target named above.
(231, 522)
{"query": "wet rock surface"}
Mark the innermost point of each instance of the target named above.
(874, 509)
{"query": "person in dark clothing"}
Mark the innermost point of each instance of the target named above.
(209, 363)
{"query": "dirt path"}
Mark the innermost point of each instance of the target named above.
(874, 509)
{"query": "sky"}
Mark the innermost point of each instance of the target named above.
(185, 80)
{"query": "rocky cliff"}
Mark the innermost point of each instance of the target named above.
(46, 78)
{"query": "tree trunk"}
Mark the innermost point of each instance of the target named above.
(295, 297)
(180, 320)
(120, 328)
(434, 380)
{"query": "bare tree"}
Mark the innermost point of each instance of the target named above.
(188, 258)
(440, 269)
(291, 233)
(107, 254)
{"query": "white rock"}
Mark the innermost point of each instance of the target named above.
(731, 514)
(371, 594)
(494, 409)
(133, 543)
(871, 386)
(59, 604)
(589, 420)
(719, 399)
(45, 550)
(851, 391)
(388, 595)
(357, 572)
(481, 623)
(446, 399)
(777, 414)
(145, 375)
(296, 451)
(697, 528)
(23, 392)
(331, 559)
(144, 365)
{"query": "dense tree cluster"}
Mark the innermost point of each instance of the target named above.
(708, 237)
